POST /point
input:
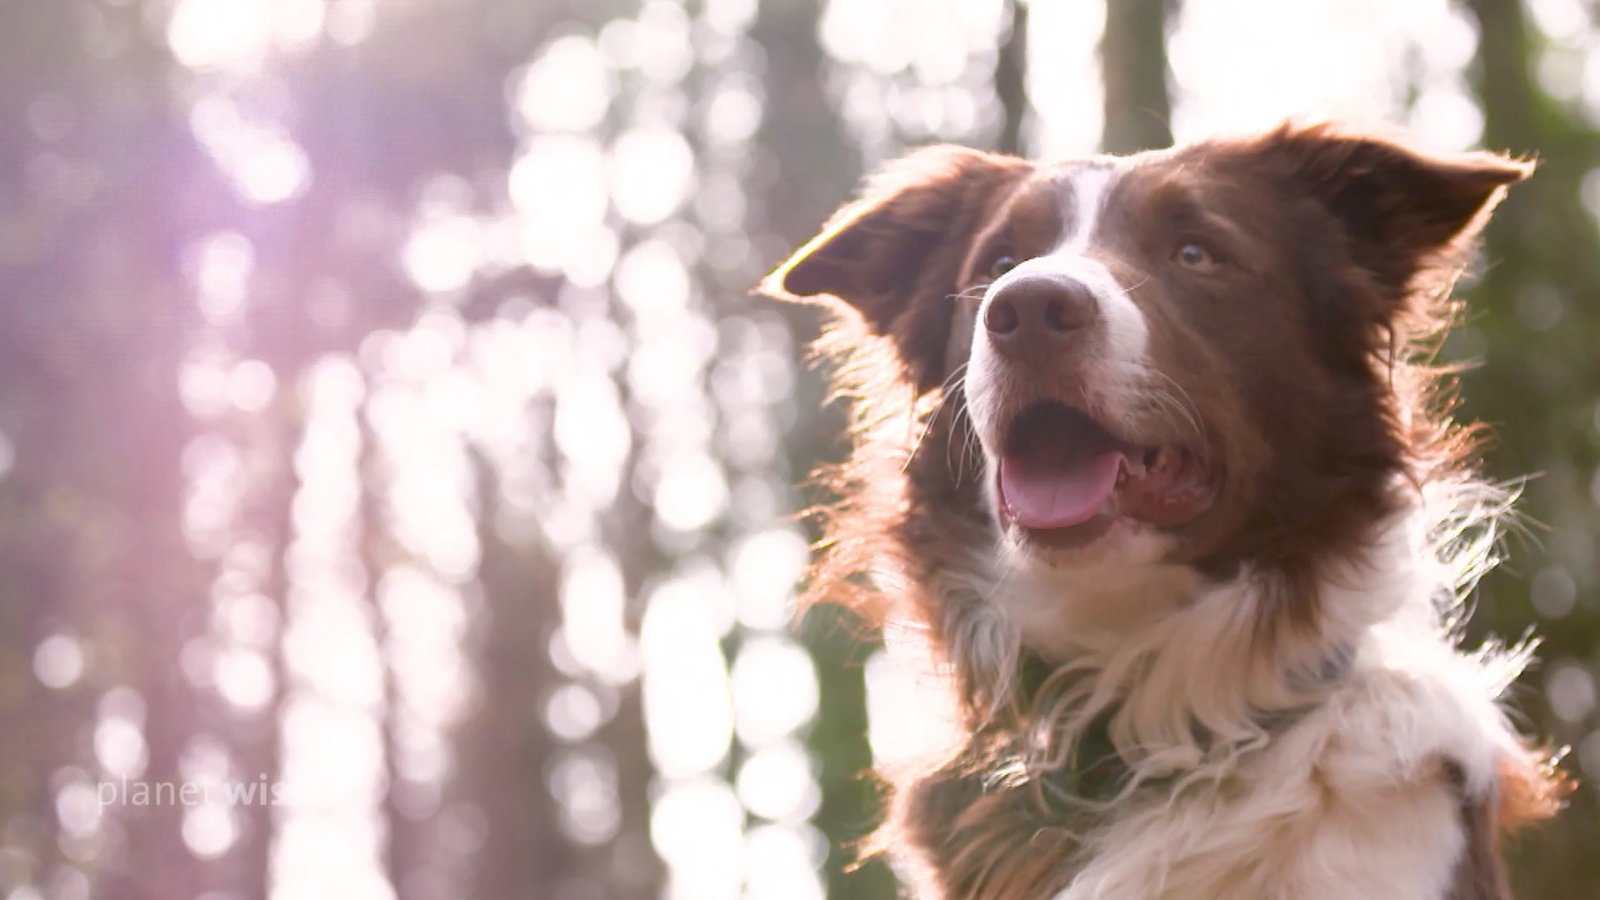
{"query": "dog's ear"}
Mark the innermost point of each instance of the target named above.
(1401, 208)
(895, 256)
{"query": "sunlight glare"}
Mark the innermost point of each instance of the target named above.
(262, 161)
(1065, 85)
(691, 491)
(593, 435)
(205, 760)
(443, 252)
(334, 855)
(244, 678)
(119, 745)
(559, 185)
(783, 862)
(203, 384)
(247, 618)
(1562, 20)
(297, 24)
(585, 784)
(734, 112)
(686, 698)
(425, 620)
(1321, 59)
(774, 686)
(663, 47)
(730, 16)
(868, 34)
(427, 502)
(653, 280)
(775, 783)
(251, 386)
(238, 35)
(218, 34)
(222, 263)
(567, 88)
(666, 366)
(573, 712)
(1446, 117)
(329, 834)
(215, 474)
(697, 828)
(77, 806)
(352, 676)
(765, 567)
(652, 172)
(58, 661)
(342, 764)
(209, 829)
(269, 168)
(350, 22)
(593, 603)
(924, 62)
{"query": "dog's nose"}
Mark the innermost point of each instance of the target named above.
(1038, 310)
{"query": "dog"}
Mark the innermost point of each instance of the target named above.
(1149, 452)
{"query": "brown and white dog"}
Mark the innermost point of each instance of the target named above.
(1148, 451)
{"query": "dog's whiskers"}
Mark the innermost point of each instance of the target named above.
(1174, 403)
(952, 382)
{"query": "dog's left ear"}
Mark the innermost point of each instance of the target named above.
(895, 256)
(1401, 208)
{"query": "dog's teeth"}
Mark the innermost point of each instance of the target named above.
(1163, 459)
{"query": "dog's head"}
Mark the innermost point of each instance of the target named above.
(1187, 360)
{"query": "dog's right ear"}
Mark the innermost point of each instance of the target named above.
(895, 255)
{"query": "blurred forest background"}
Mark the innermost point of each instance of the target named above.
(386, 425)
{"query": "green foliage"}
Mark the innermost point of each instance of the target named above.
(1534, 323)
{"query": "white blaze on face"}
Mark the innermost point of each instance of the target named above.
(1126, 335)
(1083, 198)
(1116, 362)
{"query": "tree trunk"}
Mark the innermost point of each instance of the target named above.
(1133, 61)
(1011, 81)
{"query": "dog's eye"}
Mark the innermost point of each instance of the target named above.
(1001, 265)
(1194, 256)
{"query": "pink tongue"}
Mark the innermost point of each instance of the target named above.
(1042, 495)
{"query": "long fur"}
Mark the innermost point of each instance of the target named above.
(1290, 716)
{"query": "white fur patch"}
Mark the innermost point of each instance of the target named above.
(1084, 202)
(1126, 335)
(1357, 796)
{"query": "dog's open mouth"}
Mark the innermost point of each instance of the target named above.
(1060, 469)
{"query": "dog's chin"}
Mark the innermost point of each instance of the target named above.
(1106, 540)
(1090, 582)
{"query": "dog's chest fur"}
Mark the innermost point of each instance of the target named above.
(1376, 787)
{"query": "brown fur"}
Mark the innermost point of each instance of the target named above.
(1532, 789)
(986, 838)
(1308, 358)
